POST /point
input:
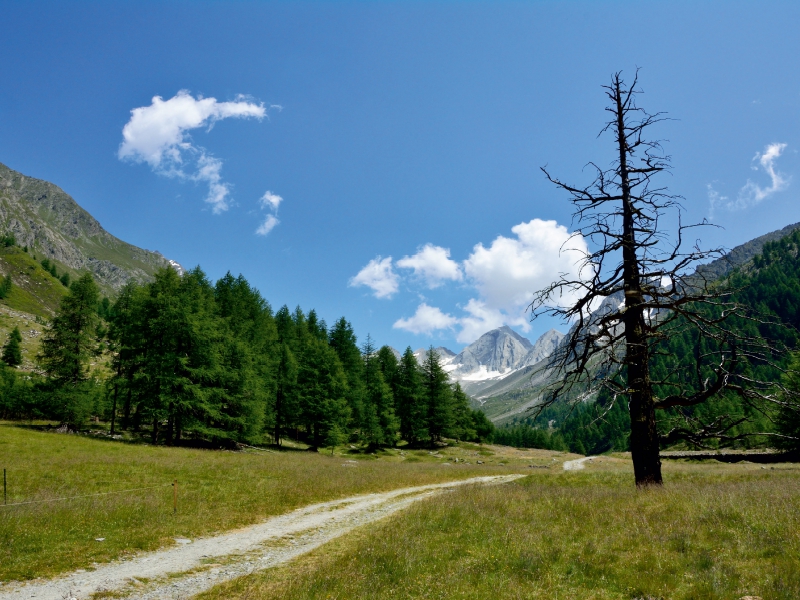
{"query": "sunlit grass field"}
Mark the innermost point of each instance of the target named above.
(715, 531)
(217, 491)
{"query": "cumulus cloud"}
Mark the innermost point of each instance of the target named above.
(426, 320)
(433, 265)
(511, 270)
(268, 225)
(505, 275)
(159, 136)
(379, 276)
(481, 318)
(752, 193)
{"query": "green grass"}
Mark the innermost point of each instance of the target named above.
(33, 290)
(218, 491)
(714, 532)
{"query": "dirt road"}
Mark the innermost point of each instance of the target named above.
(197, 565)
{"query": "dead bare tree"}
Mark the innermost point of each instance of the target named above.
(639, 286)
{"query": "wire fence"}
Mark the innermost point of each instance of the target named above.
(174, 485)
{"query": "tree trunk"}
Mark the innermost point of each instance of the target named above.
(644, 436)
(126, 409)
(114, 408)
(278, 409)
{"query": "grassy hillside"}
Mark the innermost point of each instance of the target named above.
(714, 532)
(34, 291)
(35, 296)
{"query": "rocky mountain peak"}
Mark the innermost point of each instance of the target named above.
(496, 351)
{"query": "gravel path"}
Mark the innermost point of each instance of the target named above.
(197, 565)
(570, 465)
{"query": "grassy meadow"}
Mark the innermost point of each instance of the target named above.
(218, 491)
(716, 531)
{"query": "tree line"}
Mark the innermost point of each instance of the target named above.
(185, 360)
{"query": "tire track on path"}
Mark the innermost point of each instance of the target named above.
(183, 571)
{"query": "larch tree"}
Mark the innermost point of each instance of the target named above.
(409, 398)
(12, 351)
(67, 347)
(438, 395)
(636, 287)
(70, 341)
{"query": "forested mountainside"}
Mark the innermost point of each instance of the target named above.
(46, 220)
(769, 284)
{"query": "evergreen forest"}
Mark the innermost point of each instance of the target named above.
(182, 360)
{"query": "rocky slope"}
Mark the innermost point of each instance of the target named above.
(51, 224)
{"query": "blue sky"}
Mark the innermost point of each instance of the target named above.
(389, 129)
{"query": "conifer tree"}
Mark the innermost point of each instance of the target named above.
(389, 364)
(381, 424)
(285, 326)
(342, 339)
(438, 395)
(285, 408)
(12, 352)
(410, 403)
(461, 426)
(321, 390)
(5, 286)
(67, 346)
(69, 342)
(124, 336)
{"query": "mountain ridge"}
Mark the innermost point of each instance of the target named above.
(52, 225)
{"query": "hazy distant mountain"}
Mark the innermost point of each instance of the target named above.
(544, 347)
(51, 224)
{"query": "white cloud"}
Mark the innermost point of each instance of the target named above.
(511, 270)
(505, 275)
(378, 275)
(433, 265)
(426, 320)
(480, 320)
(159, 136)
(268, 225)
(208, 171)
(752, 193)
(271, 201)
